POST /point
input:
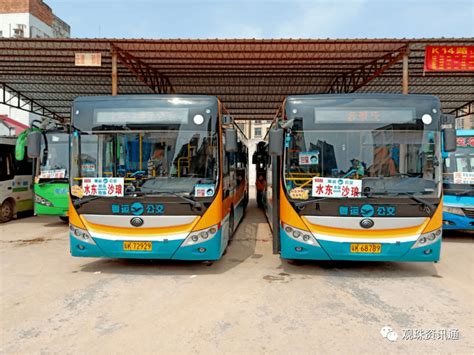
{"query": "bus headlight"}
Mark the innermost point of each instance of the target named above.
(300, 235)
(453, 210)
(81, 234)
(428, 238)
(203, 235)
(43, 201)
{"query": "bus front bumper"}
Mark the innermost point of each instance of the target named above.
(330, 250)
(168, 249)
(42, 210)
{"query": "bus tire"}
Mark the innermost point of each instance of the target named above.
(231, 224)
(230, 231)
(6, 211)
(64, 219)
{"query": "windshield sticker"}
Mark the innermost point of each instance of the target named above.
(203, 190)
(309, 158)
(368, 211)
(466, 177)
(88, 168)
(53, 174)
(336, 188)
(138, 208)
(77, 191)
(298, 193)
(463, 142)
(103, 186)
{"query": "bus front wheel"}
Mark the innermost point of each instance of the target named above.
(6, 211)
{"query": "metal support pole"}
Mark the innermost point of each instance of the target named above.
(405, 74)
(114, 73)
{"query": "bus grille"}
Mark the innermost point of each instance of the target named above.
(468, 212)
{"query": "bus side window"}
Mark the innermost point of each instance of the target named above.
(6, 165)
(225, 159)
(24, 167)
(241, 163)
(3, 164)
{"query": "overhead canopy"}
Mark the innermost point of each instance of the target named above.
(251, 77)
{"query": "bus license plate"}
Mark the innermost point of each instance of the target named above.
(137, 246)
(366, 248)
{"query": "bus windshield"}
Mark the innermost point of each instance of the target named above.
(151, 161)
(387, 161)
(55, 161)
(458, 166)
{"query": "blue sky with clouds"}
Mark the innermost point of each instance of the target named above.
(266, 18)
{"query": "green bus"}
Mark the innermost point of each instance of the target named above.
(51, 180)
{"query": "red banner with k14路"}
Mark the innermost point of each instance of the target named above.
(449, 58)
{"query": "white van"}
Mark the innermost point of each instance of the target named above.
(16, 184)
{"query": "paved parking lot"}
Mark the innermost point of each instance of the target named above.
(249, 302)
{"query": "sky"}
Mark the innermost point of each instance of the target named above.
(266, 18)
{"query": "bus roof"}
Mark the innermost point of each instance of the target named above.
(361, 96)
(189, 98)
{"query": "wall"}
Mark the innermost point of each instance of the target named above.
(5, 130)
(263, 125)
(18, 115)
(35, 7)
(33, 27)
(60, 28)
(465, 122)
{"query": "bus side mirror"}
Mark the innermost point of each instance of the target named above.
(231, 140)
(449, 140)
(33, 144)
(275, 142)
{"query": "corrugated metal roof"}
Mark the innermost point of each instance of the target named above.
(251, 76)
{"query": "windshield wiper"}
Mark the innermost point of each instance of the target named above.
(410, 194)
(84, 200)
(463, 192)
(189, 200)
(308, 202)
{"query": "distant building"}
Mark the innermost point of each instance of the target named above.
(256, 129)
(28, 19)
(466, 122)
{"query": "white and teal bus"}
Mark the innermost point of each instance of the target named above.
(359, 177)
(154, 177)
(16, 186)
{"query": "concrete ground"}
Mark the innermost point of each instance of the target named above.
(249, 302)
